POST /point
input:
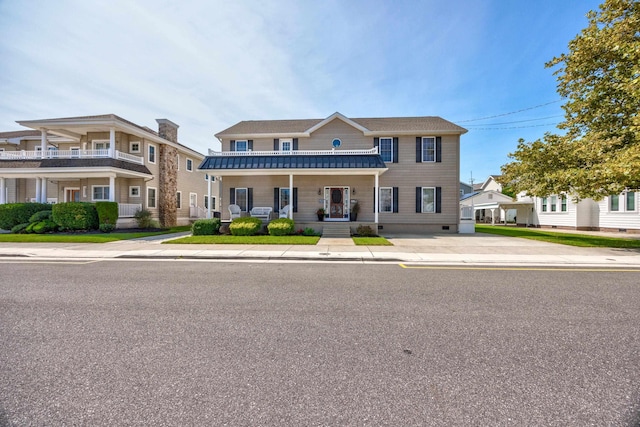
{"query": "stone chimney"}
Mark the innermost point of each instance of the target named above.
(168, 130)
(168, 179)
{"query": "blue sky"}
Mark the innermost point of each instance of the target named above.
(208, 64)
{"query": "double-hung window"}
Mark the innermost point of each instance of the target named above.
(190, 165)
(179, 199)
(386, 198)
(286, 144)
(241, 145)
(152, 153)
(544, 204)
(99, 192)
(554, 203)
(284, 197)
(151, 197)
(386, 149)
(625, 202)
(241, 198)
(563, 203)
(428, 149)
(630, 201)
(428, 200)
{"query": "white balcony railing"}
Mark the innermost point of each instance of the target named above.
(128, 210)
(373, 150)
(466, 212)
(68, 154)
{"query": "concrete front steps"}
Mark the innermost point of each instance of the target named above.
(334, 230)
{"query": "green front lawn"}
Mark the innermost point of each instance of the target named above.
(371, 241)
(223, 239)
(583, 240)
(86, 237)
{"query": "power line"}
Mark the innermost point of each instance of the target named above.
(519, 121)
(507, 114)
(518, 127)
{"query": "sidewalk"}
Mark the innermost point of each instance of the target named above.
(437, 249)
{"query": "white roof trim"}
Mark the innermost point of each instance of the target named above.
(334, 116)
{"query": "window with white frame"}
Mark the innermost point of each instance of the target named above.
(206, 202)
(286, 144)
(563, 203)
(386, 149)
(99, 192)
(134, 146)
(553, 203)
(614, 203)
(179, 199)
(134, 191)
(152, 153)
(284, 197)
(428, 149)
(544, 204)
(190, 165)
(625, 202)
(151, 197)
(193, 200)
(241, 198)
(386, 199)
(630, 201)
(101, 144)
(241, 145)
(428, 200)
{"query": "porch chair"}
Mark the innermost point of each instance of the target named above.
(284, 212)
(234, 211)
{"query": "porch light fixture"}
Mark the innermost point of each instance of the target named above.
(319, 191)
(354, 191)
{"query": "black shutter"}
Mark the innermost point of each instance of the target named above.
(249, 199)
(232, 145)
(438, 149)
(395, 199)
(376, 143)
(395, 150)
(418, 199)
(232, 196)
(295, 199)
(418, 149)
(250, 145)
(276, 199)
(295, 144)
(374, 200)
(276, 144)
(438, 199)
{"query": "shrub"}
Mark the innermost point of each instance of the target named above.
(205, 227)
(75, 216)
(107, 212)
(143, 219)
(308, 231)
(281, 227)
(246, 226)
(44, 226)
(106, 227)
(12, 214)
(40, 216)
(20, 228)
(365, 231)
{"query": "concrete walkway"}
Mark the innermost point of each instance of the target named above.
(436, 249)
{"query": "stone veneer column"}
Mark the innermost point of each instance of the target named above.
(168, 179)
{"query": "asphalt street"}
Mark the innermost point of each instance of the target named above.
(175, 343)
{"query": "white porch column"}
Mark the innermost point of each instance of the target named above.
(43, 190)
(375, 197)
(493, 216)
(112, 188)
(38, 189)
(209, 196)
(43, 142)
(112, 143)
(290, 213)
(3, 191)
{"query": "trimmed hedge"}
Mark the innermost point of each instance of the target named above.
(40, 216)
(281, 227)
(44, 226)
(107, 212)
(205, 227)
(245, 226)
(12, 214)
(75, 216)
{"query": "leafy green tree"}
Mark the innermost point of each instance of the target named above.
(599, 153)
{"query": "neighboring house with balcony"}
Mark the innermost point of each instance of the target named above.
(105, 158)
(402, 172)
(615, 213)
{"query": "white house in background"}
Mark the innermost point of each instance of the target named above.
(486, 205)
(489, 184)
(615, 213)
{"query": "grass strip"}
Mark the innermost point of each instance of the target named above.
(571, 239)
(223, 239)
(371, 241)
(85, 237)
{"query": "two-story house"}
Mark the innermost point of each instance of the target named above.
(402, 172)
(106, 158)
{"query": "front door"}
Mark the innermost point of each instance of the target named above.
(336, 202)
(72, 195)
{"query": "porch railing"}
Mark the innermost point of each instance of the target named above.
(68, 154)
(128, 210)
(197, 212)
(466, 212)
(373, 150)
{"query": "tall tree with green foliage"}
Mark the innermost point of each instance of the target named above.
(599, 153)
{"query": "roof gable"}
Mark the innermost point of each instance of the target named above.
(337, 116)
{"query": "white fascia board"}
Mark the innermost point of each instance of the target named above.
(339, 116)
(60, 173)
(243, 137)
(430, 132)
(292, 171)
